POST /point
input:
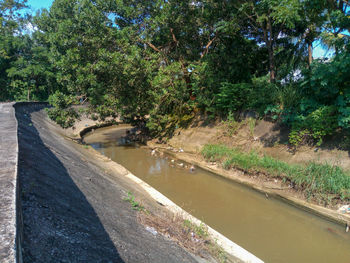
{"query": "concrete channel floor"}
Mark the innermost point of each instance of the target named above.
(71, 212)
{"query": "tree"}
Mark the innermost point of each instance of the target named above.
(11, 21)
(31, 75)
(267, 21)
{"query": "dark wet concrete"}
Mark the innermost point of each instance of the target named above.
(71, 212)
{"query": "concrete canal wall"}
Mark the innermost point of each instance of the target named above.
(11, 223)
(10, 212)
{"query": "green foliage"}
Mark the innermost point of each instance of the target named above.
(165, 125)
(62, 112)
(108, 108)
(328, 84)
(134, 204)
(251, 125)
(200, 230)
(322, 181)
(231, 126)
(318, 104)
(163, 61)
(64, 118)
(61, 101)
(262, 94)
(31, 75)
(312, 129)
(232, 97)
(172, 107)
(318, 124)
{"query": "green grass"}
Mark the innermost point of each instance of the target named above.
(251, 124)
(134, 204)
(322, 181)
(200, 230)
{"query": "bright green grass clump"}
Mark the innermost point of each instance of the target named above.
(318, 180)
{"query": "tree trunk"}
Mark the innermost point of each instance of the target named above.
(269, 39)
(310, 49)
(272, 66)
(187, 77)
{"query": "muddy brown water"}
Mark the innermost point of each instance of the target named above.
(269, 228)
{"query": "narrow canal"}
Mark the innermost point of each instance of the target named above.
(269, 228)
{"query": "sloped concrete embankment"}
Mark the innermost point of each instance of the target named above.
(72, 210)
(11, 218)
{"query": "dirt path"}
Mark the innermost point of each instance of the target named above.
(72, 212)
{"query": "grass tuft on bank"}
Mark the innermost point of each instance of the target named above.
(324, 182)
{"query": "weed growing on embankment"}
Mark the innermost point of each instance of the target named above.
(188, 234)
(323, 182)
(134, 204)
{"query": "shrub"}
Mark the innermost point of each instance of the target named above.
(63, 117)
(313, 127)
(232, 97)
(62, 113)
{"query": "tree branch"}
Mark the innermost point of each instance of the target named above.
(206, 50)
(173, 35)
(153, 47)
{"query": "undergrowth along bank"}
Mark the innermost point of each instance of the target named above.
(323, 182)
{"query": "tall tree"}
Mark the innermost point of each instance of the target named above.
(267, 21)
(11, 21)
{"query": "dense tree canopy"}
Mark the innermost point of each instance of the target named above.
(165, 61)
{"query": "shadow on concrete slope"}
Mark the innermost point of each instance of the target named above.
(59, 224)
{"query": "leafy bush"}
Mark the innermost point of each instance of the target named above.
(63, 117)
(107, 108)
(263, 93)
(316, 125)
(60, 100)
(165, 125)
(62, 113)
(232, 97)
(172, 107)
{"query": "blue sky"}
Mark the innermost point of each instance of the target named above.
(319, 51)
(37, 4)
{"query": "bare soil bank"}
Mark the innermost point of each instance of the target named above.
(262, 136)
(73, 207)
(265, 138)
